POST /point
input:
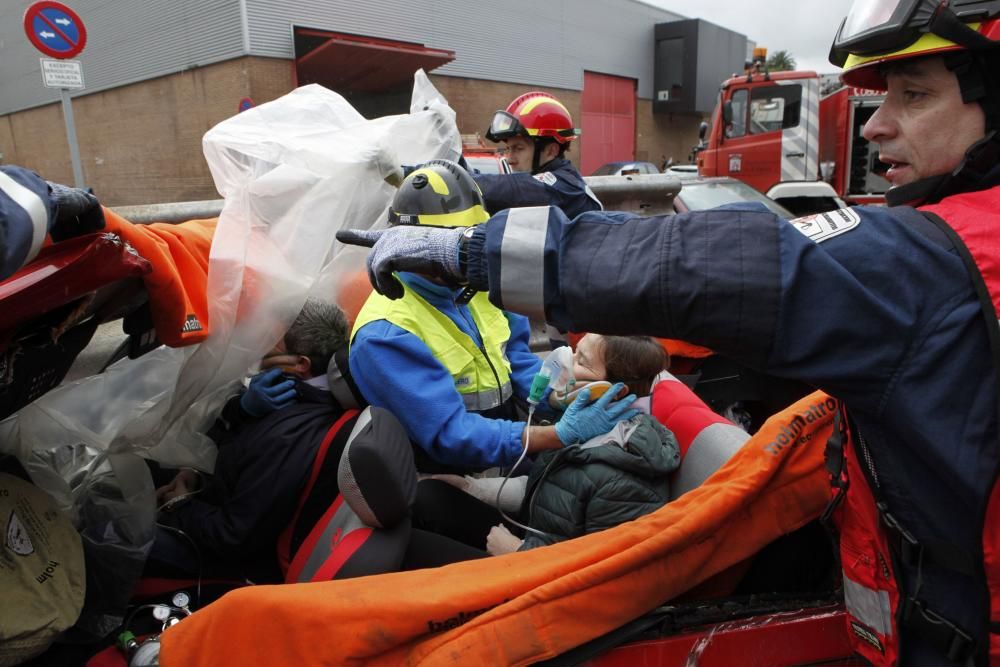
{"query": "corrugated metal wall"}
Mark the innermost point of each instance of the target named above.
(127, 41)
(547, 43)
(519, 41)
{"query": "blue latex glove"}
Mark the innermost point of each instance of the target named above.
(430, 251)
(268, 391)
(584, 420)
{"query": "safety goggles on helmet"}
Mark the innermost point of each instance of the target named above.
(504, 126)
(875, 27)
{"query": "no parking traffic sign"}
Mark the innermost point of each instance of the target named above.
(55, 29)
(58, 32)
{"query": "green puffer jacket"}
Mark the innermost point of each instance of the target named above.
(580, 490)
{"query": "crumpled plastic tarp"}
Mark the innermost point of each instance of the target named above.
(292, 172)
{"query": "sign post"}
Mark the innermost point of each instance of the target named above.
(58, 32)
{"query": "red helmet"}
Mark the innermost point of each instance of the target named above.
(533, 115)
(876, 32)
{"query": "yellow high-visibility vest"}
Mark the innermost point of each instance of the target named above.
(481, 375)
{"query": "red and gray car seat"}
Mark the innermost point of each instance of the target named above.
(707, 440)
(353, 517)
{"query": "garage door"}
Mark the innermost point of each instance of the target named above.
(608, 120)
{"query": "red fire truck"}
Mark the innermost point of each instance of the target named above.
(786, 136)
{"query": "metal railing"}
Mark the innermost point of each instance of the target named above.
(643, 194)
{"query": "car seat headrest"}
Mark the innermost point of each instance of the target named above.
(377, 476)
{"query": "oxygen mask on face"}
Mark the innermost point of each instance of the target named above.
(565, 386)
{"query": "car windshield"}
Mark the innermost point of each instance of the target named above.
(485, 165)
(625, 169)
(607, 169)
(700, 196)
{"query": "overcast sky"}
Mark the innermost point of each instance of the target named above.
(805, 28)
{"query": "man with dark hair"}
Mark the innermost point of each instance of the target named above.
(230, 521)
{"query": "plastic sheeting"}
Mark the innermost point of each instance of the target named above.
(292, 172)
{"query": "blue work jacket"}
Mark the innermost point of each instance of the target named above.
(877, 310)
(557, 184)
(397, 371)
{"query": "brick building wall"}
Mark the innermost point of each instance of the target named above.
(141, 143)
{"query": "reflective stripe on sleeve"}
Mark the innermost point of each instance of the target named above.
(33, 206)
(522, 269)
(480, 401)
(869, 606)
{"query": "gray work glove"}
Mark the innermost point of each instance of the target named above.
(77, 212)
(429, 251)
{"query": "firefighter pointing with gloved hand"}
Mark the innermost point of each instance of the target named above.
(892, 310)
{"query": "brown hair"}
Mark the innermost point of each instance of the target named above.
(634, 360)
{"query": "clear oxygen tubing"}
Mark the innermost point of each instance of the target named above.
(539, 384)
(527, 440)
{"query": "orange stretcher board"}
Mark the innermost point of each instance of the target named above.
(524, 607)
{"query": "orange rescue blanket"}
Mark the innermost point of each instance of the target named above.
(178, 283)
(525, 607)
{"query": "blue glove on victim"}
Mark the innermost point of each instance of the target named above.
(430, 251)
(268, 391)
(584, 420)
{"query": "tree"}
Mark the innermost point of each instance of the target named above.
(780, 61)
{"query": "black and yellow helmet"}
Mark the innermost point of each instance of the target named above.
(438, 193)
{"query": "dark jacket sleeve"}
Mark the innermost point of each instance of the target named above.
(257, 480)
(501, 191)
(741, 281)
(560, 186)
(711, 278)
(26, 214)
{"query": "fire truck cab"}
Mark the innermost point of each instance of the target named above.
(772, 130)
